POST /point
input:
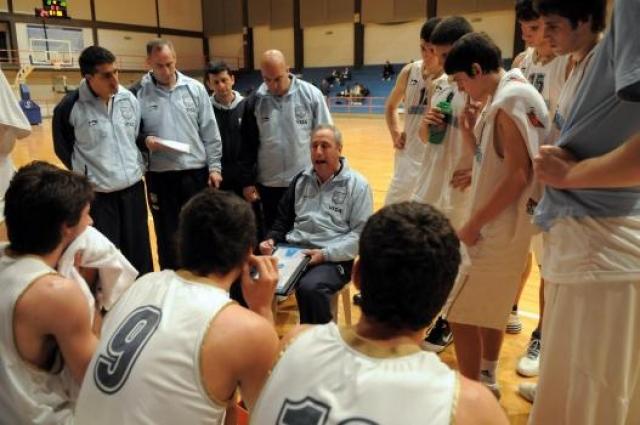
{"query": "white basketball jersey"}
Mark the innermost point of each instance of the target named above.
(27, 395)
(547, 78)
(526, 107)
(568, 95)
(146, 369)
(332, 376)
(416, 97)
(441, 160)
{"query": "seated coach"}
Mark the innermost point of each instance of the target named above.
(324, 210)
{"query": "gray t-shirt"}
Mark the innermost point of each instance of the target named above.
(606, 113)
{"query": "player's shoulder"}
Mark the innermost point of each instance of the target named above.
(52, 297)
(242, 325)
(476, 405)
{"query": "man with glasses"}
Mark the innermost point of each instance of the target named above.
(276, 131)
(94, 134)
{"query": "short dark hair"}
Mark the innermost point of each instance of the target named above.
(217, 67)
(449, 30)
(409, 259)
(575, 11)
(428, 27)
(158, 44)
(473, 48)
(525, 11)
(216, 231)
(92, 57)
(40, 199)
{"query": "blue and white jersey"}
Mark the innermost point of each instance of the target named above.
(333, 376)
(146, 369)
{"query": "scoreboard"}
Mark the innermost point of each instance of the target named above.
(52, 9)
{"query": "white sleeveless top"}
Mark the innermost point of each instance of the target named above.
(416, 98)
(526, 107)
(441, 160)
(146, 369)
(27, 395)
(333, 376)
(568, 95)
(547, 78)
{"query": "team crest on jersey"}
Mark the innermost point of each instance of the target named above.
(339, 195)
(413, 82)
(301, 115)
(126, 112)
(304, 412)
(533, 118)
(188, 102)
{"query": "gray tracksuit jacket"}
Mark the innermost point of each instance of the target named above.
(330, 216)
(276, 131)
(183, 114)
(99, 140)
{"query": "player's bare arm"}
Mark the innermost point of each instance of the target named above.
(54, 314)
(509, 144)
(391, 108)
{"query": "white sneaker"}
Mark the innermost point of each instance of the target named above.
(529, 363)
(527, 390)
(491, 383)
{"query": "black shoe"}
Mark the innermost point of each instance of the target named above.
(357, 299)
(439, 337)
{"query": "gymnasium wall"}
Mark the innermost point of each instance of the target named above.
(265, 38)
(397, 43)
(227, 47)
(328, 45)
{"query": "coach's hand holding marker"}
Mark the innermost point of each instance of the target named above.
(316, 255)
(258, 292)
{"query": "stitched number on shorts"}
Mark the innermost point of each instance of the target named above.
(113, 367)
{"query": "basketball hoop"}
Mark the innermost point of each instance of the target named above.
(56, 64)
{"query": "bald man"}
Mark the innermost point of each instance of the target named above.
(276, 131)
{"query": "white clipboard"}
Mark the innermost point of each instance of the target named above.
(291, 265)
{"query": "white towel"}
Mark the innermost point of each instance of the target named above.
(116, 274)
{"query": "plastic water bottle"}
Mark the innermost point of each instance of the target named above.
(437, 132)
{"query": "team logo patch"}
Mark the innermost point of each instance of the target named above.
(301, 115)
(413, 82)
(126, 112)
(188, 102)
(339, 195)
(533, 118)
(304, 412)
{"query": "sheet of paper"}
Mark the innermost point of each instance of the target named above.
(175, 146)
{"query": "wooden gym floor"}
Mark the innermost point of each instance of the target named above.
(368, 149)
